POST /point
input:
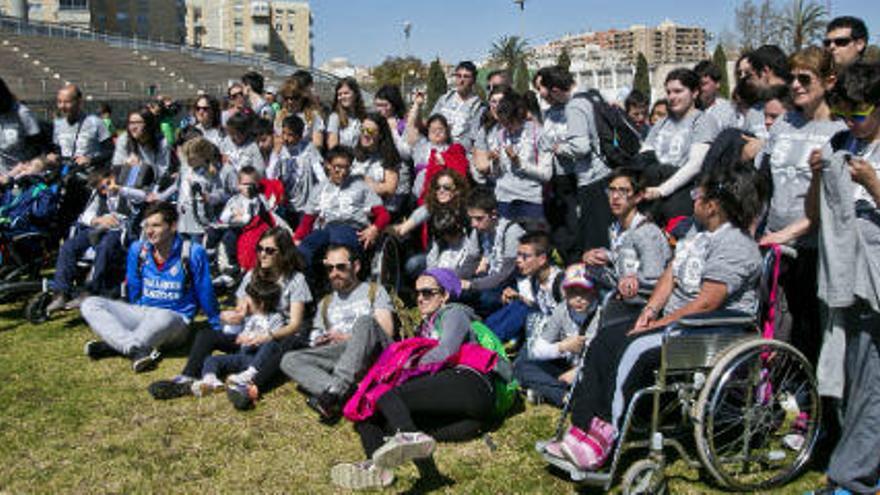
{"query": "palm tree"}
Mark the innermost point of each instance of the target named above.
(802, 22)
(509, 51)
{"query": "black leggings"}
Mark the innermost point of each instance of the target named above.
(452, 405)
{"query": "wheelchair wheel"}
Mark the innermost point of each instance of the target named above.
(644, 477)
(757, 417)
(35, 308)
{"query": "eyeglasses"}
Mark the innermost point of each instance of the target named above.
(696, 194)
(340, 267)
(838, 42)
(857, 116)
(804, 79)
(446, 187)
(622, 192)
(267, 250)
(428, 292)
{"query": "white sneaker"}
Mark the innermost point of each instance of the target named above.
(403, 447)
(360, 476)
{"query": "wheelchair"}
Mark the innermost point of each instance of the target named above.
(747, 405)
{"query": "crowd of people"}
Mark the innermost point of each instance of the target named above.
(517, 216)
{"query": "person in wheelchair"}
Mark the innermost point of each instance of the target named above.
(104, 225)
(341, 208)
(639, 250)
(715, 269)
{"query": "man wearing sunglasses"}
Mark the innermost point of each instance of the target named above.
(846, 38)
(352, 326)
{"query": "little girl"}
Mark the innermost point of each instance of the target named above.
(261, 323)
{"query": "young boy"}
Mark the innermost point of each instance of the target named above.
(239, 148)
(238, 213)
(498, 239)
(342, 207)
(297, 164)
(549, 366)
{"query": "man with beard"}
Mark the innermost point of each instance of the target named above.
(353, 325)
(79, 137)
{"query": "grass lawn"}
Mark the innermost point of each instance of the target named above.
(69, 425)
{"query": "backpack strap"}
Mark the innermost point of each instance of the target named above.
(372, 290)
(185, 255)
(325, 303)
(557, 286)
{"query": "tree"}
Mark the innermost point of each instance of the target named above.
(564, 59)
(757, 24)
(642, 80)
(398, 71)
(508, 51)
(436, 83)
(720, 59)
(801, 23)
(521, 78)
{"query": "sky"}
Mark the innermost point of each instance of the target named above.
(367, 31)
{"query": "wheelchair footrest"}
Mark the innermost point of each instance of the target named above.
(577, 475)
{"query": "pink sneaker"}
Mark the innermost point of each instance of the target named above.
(589, 450)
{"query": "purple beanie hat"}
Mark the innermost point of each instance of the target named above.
(447, 279)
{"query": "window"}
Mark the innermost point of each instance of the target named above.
(73, 4)
(122, 17)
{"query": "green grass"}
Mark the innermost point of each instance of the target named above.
(69, 425)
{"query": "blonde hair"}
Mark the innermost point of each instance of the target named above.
(199, 153)
(815, 60)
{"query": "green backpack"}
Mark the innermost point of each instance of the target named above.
(506, 386)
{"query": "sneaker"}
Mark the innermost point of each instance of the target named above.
(57, 304)
(179, 386)
(97, 349)
(360, 476)
(203, 388)
(328, 405)
(242, 395)
(589, 450)
(404, 447)
(144, 359)
(77, 301)
(796, 438)
(224, 281)
(534, 397)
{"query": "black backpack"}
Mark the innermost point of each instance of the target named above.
(619, 141)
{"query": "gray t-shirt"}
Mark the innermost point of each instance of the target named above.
(753, 121)
(299, 168)
(571, 129)
(15, 126)
(791, 140)
(244, 155)
(348, 135)
(671, 138)
(214, 134)
(463, 116)
(728, 256)
(463, 256)
(724, 112)
(640, 250)
(159, 159)
(349, 203)
(518, 181)
(344, 309)
(80, 138)
(293, 290)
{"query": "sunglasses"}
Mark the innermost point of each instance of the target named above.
(200, 109)
(340, 267)
(370, 131)
(428, 293)
(838, 42)
(235, 95)
(804, 79)
(857, 116)
(446, 187)
(267, 250)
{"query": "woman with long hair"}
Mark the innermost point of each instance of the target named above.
(19, 131)
(143, 144)
(389, 103)
(377, 160)
(278, 261)
(344, 124)
(297, 100)
(207, 113)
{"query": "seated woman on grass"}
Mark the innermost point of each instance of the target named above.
(715, 269)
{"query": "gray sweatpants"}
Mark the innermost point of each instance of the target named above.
(337, 366)
(855, 463)
(127, 326)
